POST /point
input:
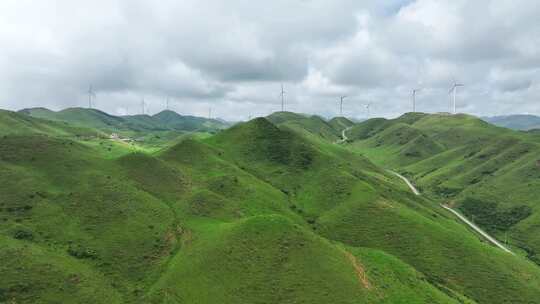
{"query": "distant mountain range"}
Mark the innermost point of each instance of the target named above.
(516, 122)
(163, 121)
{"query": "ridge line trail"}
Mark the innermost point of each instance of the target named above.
(459, 216)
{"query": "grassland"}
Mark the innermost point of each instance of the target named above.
(269, 211)
(492, 174)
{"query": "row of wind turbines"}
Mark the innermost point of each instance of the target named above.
(453, 91)
(282, 95)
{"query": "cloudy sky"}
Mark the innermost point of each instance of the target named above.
(233, 55)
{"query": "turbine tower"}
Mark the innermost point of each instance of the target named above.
(282, 94)
(368, 106)
(91, 95)
(341, 105)
(453, 90)
(414, 91)
(167, 103)
(143, 104)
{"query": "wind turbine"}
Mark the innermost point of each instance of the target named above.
(91, 95)
(341, 105)
(167, 103)
(454, 89)
(282, 94)
(143, 105)
(368, 106)
(414, 91)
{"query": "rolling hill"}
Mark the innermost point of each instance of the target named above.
(490, 173)
(313, 126)
(164, 121)
(261, 212)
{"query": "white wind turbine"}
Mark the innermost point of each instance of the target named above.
(368, 107)
(414, 91)
(341, 105)
(454, 90)
(282, 94)
(91, 95)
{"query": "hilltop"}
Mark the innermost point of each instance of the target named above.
(314, 126)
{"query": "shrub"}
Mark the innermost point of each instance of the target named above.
(23, 234)
(488, 215)
(81, 252)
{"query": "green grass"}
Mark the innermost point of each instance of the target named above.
(153, 130)
(490, 173)
(258, 213)
(327, 130)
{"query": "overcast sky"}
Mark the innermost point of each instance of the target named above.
(233, 55)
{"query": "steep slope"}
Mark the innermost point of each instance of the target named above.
(490, 173)
(309, 126)
(394, 143)
(76, 208)
(282, 262)
(340, 123)
(14, 123)
(361, 208)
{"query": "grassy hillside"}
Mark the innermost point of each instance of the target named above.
(254, 214)
(175, 121)
(340, 123)
(13, 123)
(355, 204)
(132, 125)
(490, 173)
(310, 125)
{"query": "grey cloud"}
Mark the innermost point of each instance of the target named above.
(233, 55)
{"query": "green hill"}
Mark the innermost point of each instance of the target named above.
(340, 123)
(132, 125)
(311, 126)
(173, 120)
(13, 123)
(258, 213)
(91, 118)
(490, 173)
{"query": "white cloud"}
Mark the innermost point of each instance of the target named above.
(234, 54)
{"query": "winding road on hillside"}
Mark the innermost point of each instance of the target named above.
(459, 215)
(477, 229)
(344, 137)
(411, 186)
